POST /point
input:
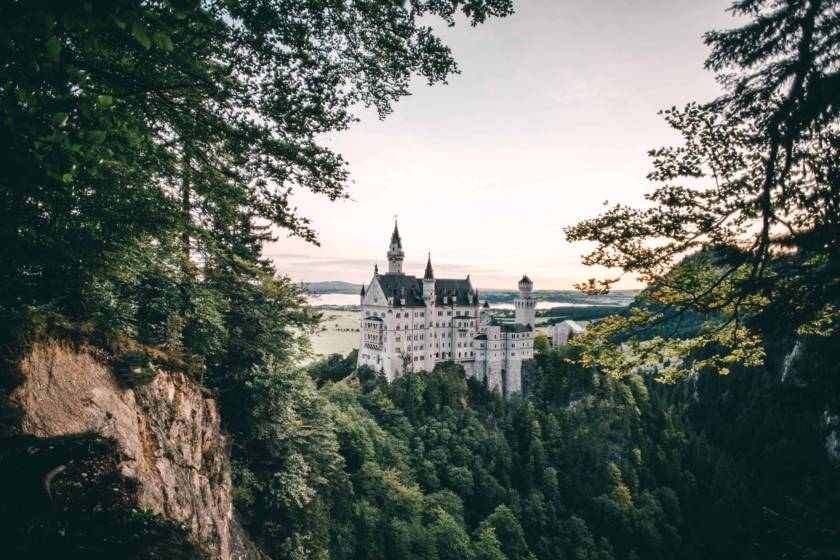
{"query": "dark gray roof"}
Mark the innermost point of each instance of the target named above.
(395, 285)
(525, 279)
(457, 288)
(429, 273)
(480, 337)
(411, 287)
(373, 318)
(517, 328)
(395, 237)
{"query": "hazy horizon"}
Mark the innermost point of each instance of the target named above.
(552, 115)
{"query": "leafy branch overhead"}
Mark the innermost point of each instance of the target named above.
(124, 119)
(748, 210)
(151, 149)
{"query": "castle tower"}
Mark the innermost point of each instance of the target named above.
(526, 305)
(485, 316)
(429, 283)
(395, 252)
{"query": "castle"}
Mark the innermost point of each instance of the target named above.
(410, 324)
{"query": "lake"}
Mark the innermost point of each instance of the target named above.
(319, 300)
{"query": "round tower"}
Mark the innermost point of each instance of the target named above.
(395, 252)
(525, 304)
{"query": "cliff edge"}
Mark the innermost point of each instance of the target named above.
(167, 434)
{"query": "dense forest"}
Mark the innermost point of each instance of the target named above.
(151, 150)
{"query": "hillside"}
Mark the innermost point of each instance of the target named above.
(332, 287)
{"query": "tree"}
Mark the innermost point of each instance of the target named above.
(288, 453)
(451, 542)
(487, 546)
(752, 195)
(508, 531)
(173, 123)
(541, 343)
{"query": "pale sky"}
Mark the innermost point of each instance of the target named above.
(552, 114)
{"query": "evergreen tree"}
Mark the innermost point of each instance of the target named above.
(753, 190)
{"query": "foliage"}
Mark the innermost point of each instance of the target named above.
(334, 367)
(752, 193)
(133, 368)
(435, 466)
(285, 454)
(144, 142)
(151, 147)
(150, 151)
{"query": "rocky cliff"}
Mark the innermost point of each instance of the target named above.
(167, 433)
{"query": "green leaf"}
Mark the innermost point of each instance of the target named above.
(164, 41)
(67, 177)
(120, 23)
(53, 48)
(59, 119)
(104, 100)
(98, 136)
(140, 34)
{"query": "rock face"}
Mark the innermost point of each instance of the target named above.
(167, 431)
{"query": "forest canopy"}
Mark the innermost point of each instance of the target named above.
(149, 150)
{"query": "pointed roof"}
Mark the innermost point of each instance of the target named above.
(395, 237)
(363, 290)
(430, 275)
(525, 280)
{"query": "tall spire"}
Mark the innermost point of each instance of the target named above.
(395, 237)
(430, 275)
(395, 252)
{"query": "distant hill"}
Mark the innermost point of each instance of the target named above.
(616, 297)
(333, 287)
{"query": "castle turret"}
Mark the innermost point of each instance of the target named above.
(395, 252)
(526, 305)
(484, 315)
(429, 283)
(362, 294)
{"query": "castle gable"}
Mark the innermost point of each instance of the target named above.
(375, 295)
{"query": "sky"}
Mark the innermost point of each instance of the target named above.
(551, 116)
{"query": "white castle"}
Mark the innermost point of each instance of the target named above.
(410, 324)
